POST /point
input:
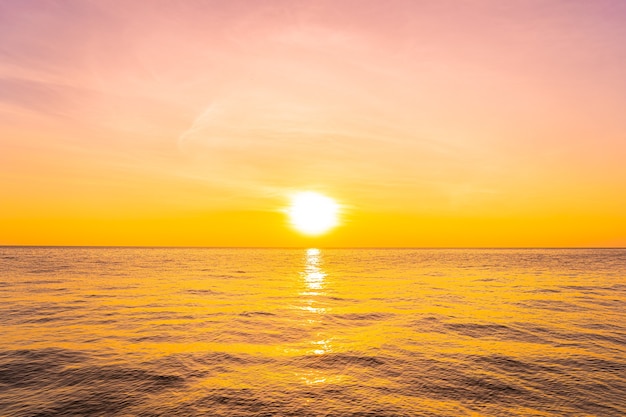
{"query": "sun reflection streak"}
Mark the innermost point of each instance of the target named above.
(314, 280)
(313, 274)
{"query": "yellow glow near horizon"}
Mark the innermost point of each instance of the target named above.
(312, 213)
(498, 128)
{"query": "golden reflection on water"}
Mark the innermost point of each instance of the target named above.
(313, 273)
(313, 277)
(314, 280)
(404, 332)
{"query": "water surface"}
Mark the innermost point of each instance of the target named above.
(261, 332)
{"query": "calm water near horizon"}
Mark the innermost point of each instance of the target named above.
(294, 332)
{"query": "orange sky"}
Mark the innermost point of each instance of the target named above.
(433, 123)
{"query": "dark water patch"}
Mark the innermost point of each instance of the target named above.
(428, 323)
(339, 360)
(48, 290)
(43, 271)
(502, 364)
(602, 326)
(485, 280)
(597, 408)
(202, 292)
(86, 404)
(100, 322)
(225, 402)
(587, 289)
(41, 313)
(256, 313)
(247, 332)
(543, 291)
(574, 384)
(31, 367)
(45, 319)
(454, 379)
(602, 301)
(47, 354)
(553, 305)
(314, 402)
(335, 298)
(362, 317)
(212, 359)
(65, 382)
(591, 364)
(100, 295)
(330, 299)
(572, 393)
(458, 386)
(121, 288)
(513, 332)
(430, 319)
(579, 338)
(69, 368)
(112, 375)
(52, 269)
(190, 366)
(618, 339)
(20, 374)
(106, 262)
(491, 330)
(434, 274)
(238, 399)
(155, 316)
(227, 276)
(157, 338)
(43, 282)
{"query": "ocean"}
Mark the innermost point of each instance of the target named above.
(312, 332)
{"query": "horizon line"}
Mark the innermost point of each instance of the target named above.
(306, 247)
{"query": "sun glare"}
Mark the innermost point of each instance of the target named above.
(312, 213)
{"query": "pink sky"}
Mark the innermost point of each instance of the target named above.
(463, 108)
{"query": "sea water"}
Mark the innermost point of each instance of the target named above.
(312, 332)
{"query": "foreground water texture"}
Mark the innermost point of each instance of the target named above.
(262, 332)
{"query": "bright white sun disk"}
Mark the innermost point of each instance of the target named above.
(312, 213)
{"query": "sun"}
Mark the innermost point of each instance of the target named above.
(312, 213)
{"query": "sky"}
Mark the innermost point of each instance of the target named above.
(466, 123)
